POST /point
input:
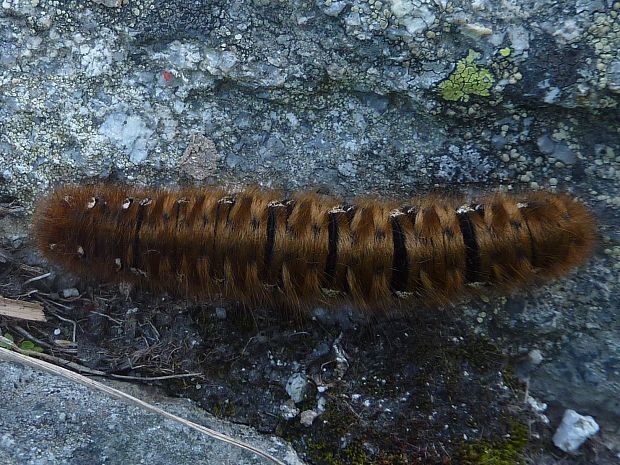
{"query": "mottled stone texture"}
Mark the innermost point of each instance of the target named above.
(387, 97)
(90, 427)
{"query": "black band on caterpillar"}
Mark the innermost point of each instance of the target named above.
(400, 267)
(472, 257)
(258, 248)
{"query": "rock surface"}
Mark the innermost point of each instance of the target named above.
(48, 420)
(389, 97)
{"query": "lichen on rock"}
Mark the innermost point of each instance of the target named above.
(467, 79)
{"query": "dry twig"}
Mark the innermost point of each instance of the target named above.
(90, 371)
(22, 310)
(36, 278)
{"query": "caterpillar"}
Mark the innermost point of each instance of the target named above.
(257, 247)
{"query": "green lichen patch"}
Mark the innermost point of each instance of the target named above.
(467, 79)
(505, 52)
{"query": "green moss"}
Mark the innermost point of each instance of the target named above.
(356, 455)
(323, 454)
(325, 447)
(480, 353)
(502, 452)
(328, 454)
(223, 409)
(467, 79)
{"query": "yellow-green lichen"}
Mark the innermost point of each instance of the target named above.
(505, 52)
(467, 79)
(506, 451)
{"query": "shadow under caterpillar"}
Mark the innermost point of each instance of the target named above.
(258, 248)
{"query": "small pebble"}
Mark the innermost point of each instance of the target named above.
(535, 357)
(307, 417)
(220, 313)
(70, 292)
(574, 430)
(296, 386)
(288, 410)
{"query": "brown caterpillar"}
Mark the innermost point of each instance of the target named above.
(258, 248)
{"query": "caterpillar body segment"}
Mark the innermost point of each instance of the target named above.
(258, 247)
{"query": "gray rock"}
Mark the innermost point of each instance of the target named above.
(129, 133)
(334, 8)
(69, 423)
(535, 357)
(307, 417)
(545, 144)
(296, 387)
(348, 95)
(288, 410)
(110, 3)
(563, 153)
(613, 76)
(347, 169)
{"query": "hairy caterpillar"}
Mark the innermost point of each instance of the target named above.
(256, 247)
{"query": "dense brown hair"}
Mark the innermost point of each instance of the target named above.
(258, 248)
